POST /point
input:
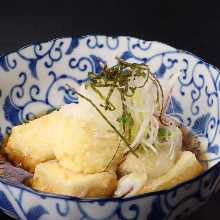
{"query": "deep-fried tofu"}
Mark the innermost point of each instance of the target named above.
(52, 177)
(33, 142)
(88, 146)
(185, 169)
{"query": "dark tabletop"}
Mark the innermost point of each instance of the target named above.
(189, 25)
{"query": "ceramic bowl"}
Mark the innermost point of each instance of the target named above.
(32, 81)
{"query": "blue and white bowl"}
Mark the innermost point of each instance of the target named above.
(32, 81)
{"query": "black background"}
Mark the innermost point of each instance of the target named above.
(189, 25)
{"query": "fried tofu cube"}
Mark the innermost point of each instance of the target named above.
(88, 146)
(53, 178)
(33, 142)
(185, 169)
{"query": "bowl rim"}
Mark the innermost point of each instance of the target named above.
(107, 199)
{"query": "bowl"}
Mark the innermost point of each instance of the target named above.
(32, 81)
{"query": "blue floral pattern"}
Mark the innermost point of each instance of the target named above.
(30, 79)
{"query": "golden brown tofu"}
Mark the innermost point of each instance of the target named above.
(52, 177)
(33, 142)
(185, 169)
(87, 147)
